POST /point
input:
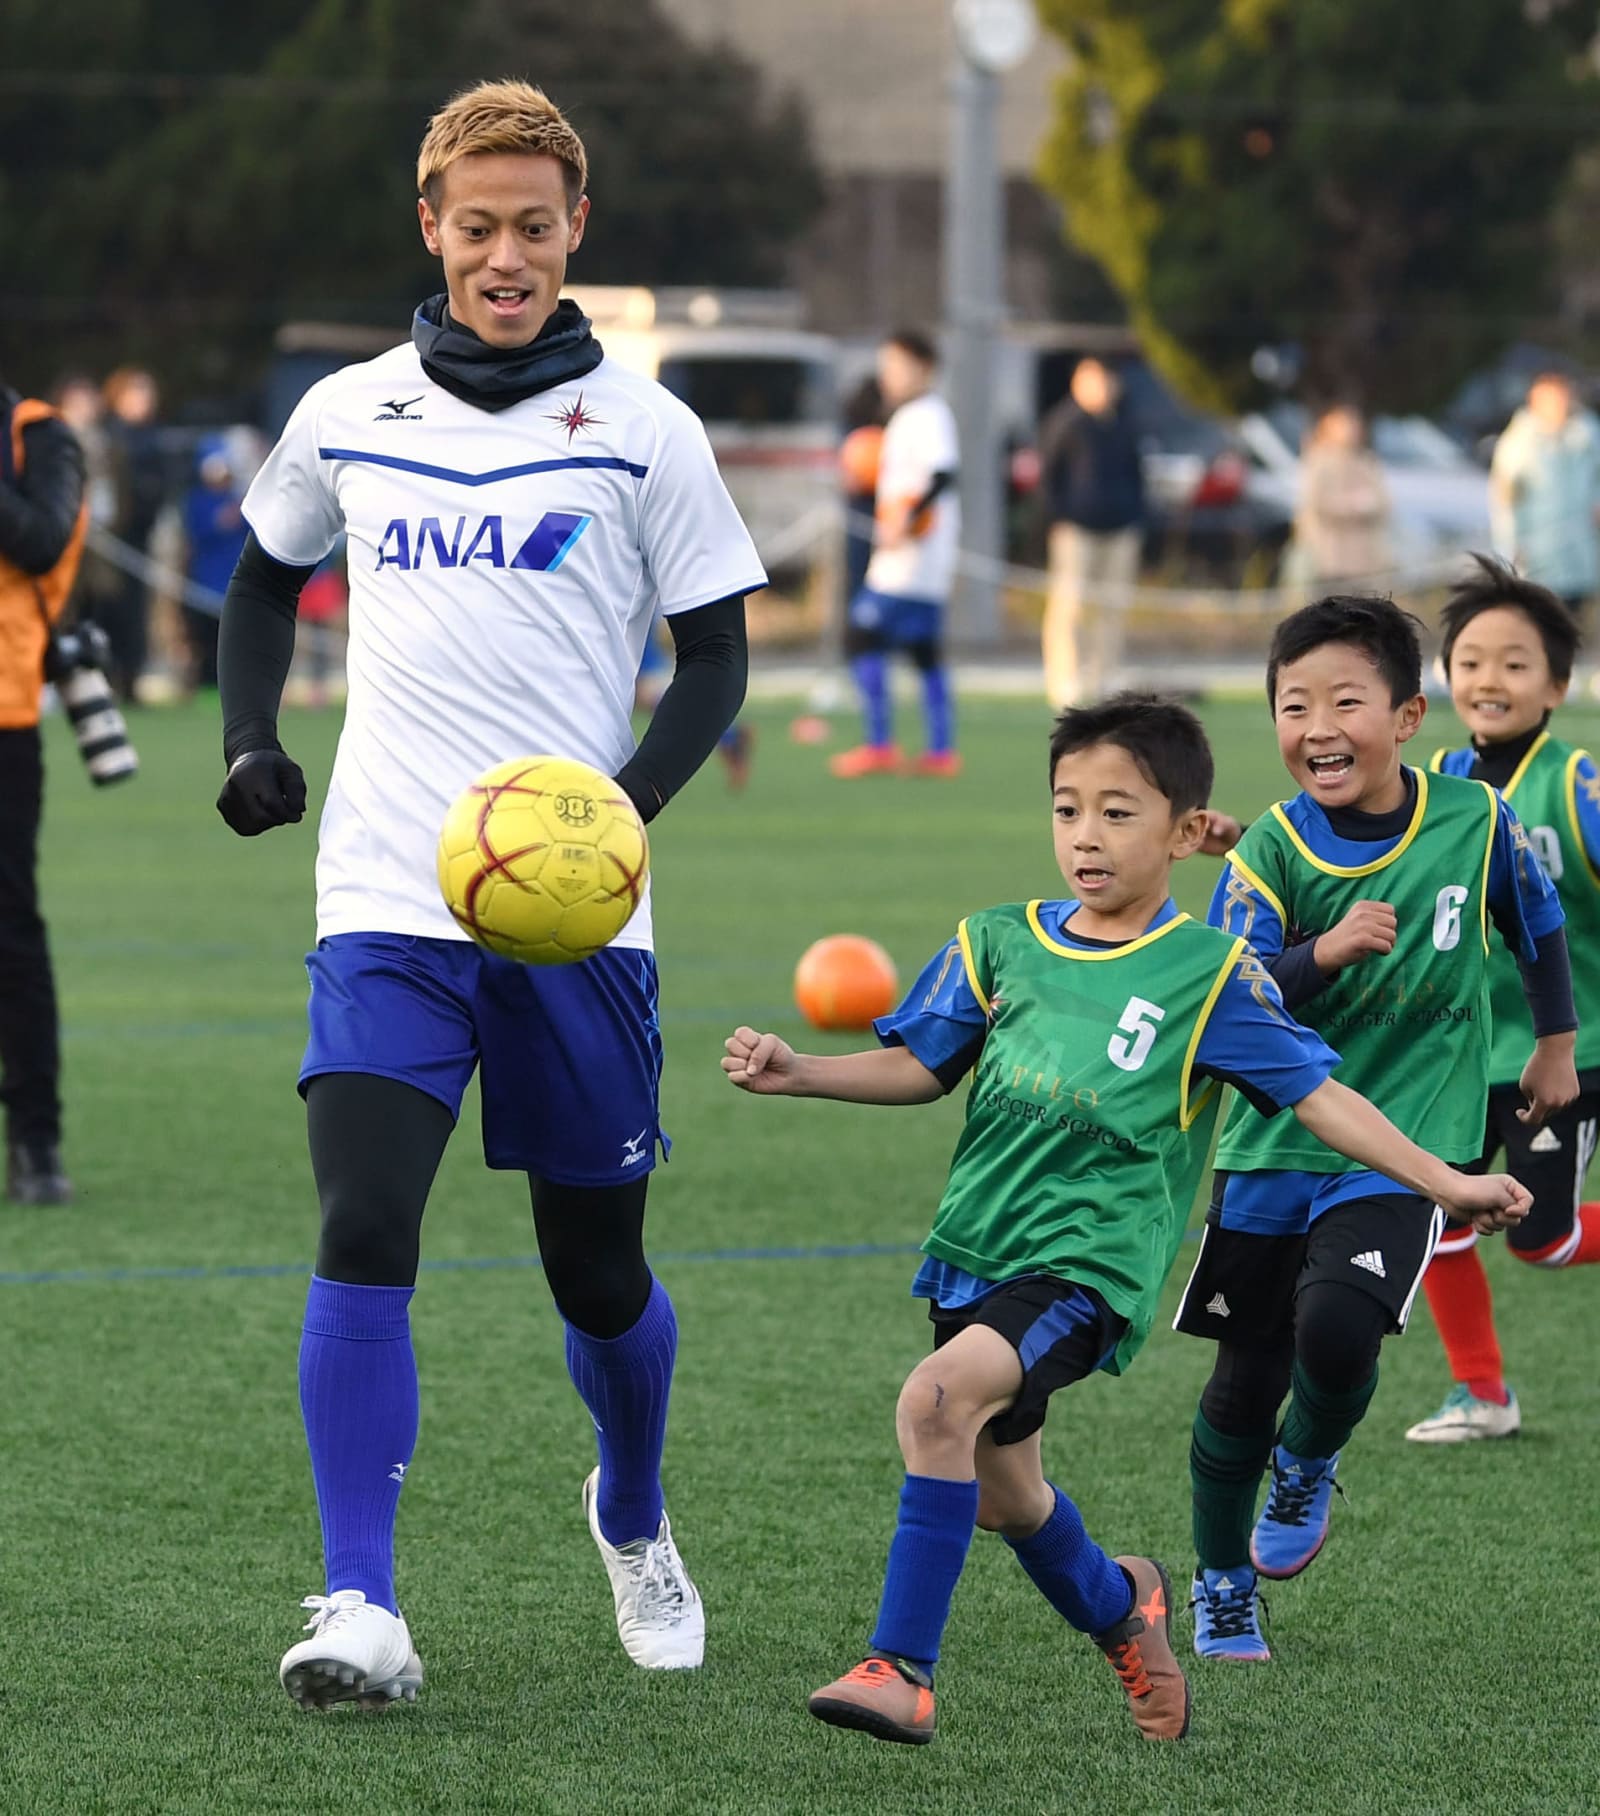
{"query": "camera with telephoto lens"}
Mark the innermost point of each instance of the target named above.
(75, 663)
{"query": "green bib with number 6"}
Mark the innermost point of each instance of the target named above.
(1544, 792)
(1087, 1132)
(1411, 1026)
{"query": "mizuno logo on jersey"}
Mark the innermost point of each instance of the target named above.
(395, 409)
(457, 542)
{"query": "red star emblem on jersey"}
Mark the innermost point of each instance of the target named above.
(576, 417)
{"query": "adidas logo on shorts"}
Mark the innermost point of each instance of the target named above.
(1547, 1141)
(1372, 1261)
(1218, 1307)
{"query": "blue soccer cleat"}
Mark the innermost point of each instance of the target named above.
(1227, 1616)
(1294, 1523)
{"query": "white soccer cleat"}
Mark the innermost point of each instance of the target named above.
(661, 1619)
(1464, 1417)
(358, 1653)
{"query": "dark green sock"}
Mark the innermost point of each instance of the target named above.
(1319, 1422)
(1226, 1474)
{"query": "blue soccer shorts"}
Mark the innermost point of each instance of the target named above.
(568, 1056)
(887, 621)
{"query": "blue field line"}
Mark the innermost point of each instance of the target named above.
(279, 1270)
(481, 1264)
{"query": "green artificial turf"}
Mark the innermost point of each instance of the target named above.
(156, 1521)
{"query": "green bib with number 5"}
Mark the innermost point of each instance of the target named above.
(1411, 1026)
(1087, 1132)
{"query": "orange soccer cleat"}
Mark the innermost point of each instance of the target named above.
(888, 1698)
(867, 760)
(1140, 1650)
(943, 763)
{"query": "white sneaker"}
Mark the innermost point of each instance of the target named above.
(661, 1619)
(1464, 1417)
(358, 1652)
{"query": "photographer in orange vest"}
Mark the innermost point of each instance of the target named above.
(42, 521)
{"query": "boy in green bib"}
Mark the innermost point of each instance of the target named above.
(1368, 896)
(1098, 1030)
(1509, 647)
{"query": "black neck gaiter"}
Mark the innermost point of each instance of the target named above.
(495, 378)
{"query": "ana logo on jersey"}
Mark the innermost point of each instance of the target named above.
(542, 550)
(395, 410)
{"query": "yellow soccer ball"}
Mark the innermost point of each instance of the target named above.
(543, 860)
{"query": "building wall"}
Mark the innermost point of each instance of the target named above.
(874, 76)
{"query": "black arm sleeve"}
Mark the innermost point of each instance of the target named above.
(1295, 973)
(255, 646)
(941, 482)
(39, 509)
(701, 702)
(1547, 984)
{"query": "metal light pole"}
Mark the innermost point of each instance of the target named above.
(991, 37)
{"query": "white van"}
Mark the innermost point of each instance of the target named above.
(765, 388)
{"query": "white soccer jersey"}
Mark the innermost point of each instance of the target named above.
(919, 442)
(504, 570)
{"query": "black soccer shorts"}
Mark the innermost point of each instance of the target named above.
(1550, 1161)
(1062, 1332)
(1244, 1285)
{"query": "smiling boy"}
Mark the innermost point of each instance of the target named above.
(1097, 1029)
(1369, 897)
(1509, 647)
(518, 509)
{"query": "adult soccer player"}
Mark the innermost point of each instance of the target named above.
(1097, 1030)
(516, 507)
(1509, 646)
(915, 543)
(1369, 897)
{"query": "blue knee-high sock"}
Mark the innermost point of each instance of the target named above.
(926, 1557)
(938, 710)
(358, 1394)
(1084, 1586)
(625, 1382)
(871, 670)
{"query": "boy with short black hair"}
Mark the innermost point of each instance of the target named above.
(1368, 896)
(1098, 1029)
(1509, 647)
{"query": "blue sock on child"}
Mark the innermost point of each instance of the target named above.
(358, 1395)
(871, 671)
(937, 708)
(926, 1557)
(625, 1382)
(1084, 1586)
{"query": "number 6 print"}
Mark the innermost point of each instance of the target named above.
(1447, 917)
(1139, 1019)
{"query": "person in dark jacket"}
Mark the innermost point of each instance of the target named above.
(1092, 483)
(42, 520)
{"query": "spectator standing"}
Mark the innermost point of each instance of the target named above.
(1092, 483)
(214, 531)
(1544, 492)
(1342, 524)
(42, 521)
(132, 400)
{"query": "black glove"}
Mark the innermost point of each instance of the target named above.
(265, 788)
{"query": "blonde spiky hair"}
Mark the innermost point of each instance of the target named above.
(507, 116)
